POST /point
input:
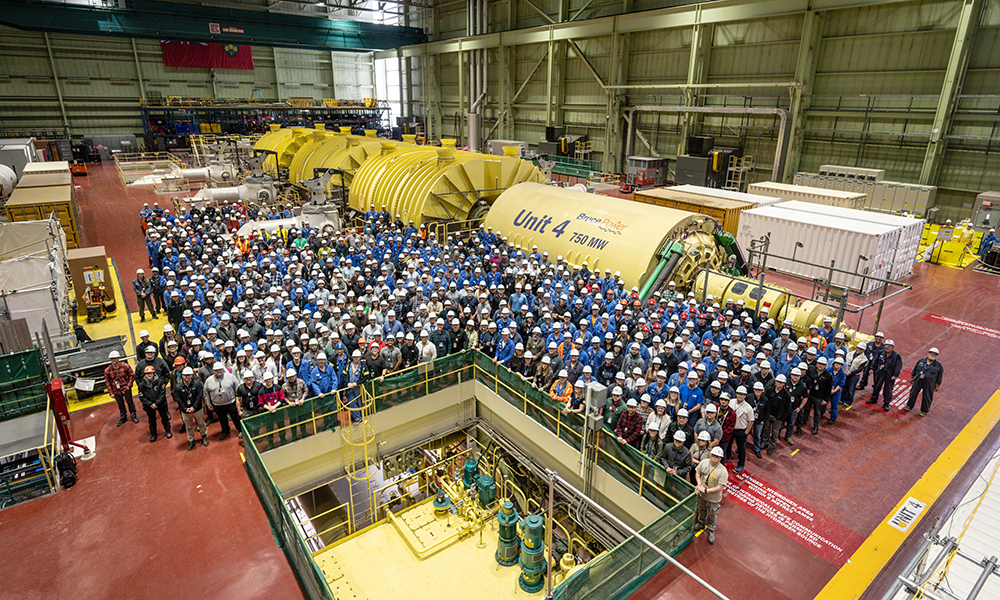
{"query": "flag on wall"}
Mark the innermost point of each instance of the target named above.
(210, 56)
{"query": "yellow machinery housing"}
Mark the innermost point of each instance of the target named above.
(278, 140)
(429, 184)
(775, 299)
(645, 243)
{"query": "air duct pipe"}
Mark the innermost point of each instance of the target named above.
(784, 129)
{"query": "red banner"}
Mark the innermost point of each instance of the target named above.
(814, 530)
(208, 56)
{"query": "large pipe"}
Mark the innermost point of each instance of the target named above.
(663, 270)
(784, 130)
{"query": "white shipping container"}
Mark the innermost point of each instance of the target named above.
(754, 199)
(824, 239)
(883, 195)
(810, 194)
(911, 230)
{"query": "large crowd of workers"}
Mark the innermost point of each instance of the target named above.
(272, 319)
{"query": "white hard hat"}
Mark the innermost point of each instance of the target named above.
(114, 354)
(680, 436)
(717, 451)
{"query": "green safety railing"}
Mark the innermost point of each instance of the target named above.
(22, 384)
(618, 573)
(284, 527)
(615, 574)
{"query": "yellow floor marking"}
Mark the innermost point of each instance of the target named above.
(113, 325)
(796, 450)
(853, 578)
(699, 533)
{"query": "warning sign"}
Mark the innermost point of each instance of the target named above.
(963, 326)
(821, 534)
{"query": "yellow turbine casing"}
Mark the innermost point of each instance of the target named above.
(606, 232)
(283, 142)
(315, 138)
(347, 155)
(428, 184)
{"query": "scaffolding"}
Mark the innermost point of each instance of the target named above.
(921, 580)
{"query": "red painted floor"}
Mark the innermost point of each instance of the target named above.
(152, 521)
(145, 520)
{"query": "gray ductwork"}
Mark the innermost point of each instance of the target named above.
(783, 132)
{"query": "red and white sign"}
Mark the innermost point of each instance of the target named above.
(232, 30)
(814, 530)
(963, 326)
(214, 28)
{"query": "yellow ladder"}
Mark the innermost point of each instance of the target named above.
(359, 437)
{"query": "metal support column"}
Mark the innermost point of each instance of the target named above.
(138, 70)
(701, 49)
(550, 54)
(507, 74)
(277, 74)
(805, 74)
(55, 80)
(958, 61)
(613, 133)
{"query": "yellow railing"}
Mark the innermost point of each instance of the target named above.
(49, 449)
(460, 229)
(133, 167)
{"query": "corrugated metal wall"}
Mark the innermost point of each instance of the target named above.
(100, 80)
(879, 72)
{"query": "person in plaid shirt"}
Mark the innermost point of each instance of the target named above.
(630, 426)
(118, 378)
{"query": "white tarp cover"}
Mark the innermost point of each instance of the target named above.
(31, 237)
(32, 258)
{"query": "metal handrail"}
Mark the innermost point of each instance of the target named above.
(607, 514)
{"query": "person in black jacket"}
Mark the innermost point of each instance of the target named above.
(189, 394)
(409, 351)
(820, 388)
(925, 377)
(887, 368)
(153, 395)
(143, 289)
(150, 359)
(778, 408)
(459, 339)
(676, 458)
(798, 390)
(247, 395)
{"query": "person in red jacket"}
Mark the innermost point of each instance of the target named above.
(630, 425)
(271, 398)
